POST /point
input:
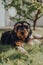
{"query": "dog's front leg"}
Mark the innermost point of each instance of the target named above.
(22, 50)
(19, 43)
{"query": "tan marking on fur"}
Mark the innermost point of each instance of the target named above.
(22, 36)
(19, 43)
(25, 24)
(17, 25)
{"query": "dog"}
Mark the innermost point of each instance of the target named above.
(19, 35)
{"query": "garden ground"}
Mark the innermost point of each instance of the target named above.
(10, 56)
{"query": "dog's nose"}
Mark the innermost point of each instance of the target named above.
(22, 33)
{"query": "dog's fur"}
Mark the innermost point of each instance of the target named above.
(18, 35)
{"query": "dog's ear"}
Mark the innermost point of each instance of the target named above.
(14, 28)
(30, 32)
(29, 28)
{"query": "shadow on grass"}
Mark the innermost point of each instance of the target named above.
(4, 48)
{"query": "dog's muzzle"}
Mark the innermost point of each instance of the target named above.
(22, 33)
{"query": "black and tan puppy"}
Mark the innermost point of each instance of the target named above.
(18, 35)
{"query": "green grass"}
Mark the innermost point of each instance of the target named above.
(10, 56)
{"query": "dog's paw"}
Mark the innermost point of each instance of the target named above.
(22, 50)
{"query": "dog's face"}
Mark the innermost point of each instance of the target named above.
(22, 30)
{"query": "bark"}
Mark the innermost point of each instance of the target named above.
(34, 24)
(35, 20)
(39, 1)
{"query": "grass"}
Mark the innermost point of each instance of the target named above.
(10, 56)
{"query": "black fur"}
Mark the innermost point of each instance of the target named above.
(10, 37)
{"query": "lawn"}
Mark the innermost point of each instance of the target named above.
(11, 56)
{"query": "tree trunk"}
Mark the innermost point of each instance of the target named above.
(34, 24)
(36, 18)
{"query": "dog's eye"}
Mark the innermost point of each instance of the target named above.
(26, 27)
(18, 27)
